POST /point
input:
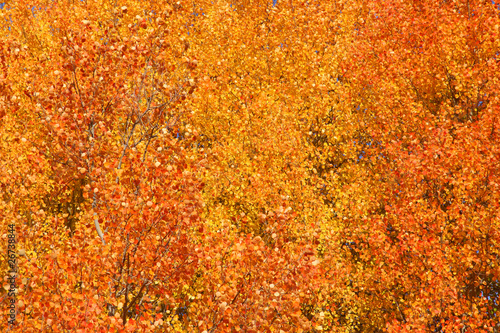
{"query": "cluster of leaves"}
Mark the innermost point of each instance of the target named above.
(256, 166)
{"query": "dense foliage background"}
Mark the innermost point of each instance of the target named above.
(244, 165)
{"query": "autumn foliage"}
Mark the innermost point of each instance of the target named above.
(227, 166)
